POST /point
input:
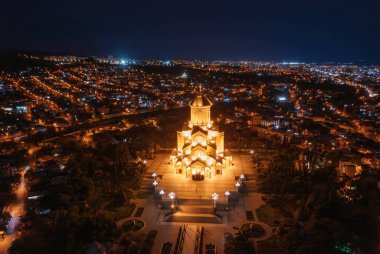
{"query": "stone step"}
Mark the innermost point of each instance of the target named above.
(199, 184)
(196, 209)
(193, 202)
(147, 186)
(191, 218)
(149, 177)
(208, 215)
(147, 182)
(198, 190)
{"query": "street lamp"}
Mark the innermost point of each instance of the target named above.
(214, 198)
(237, 187)
(154, 175)
(155, 183)
(172, 197)
(242, 177)
(227, 193)
(162, 193)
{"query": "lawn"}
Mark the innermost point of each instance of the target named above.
(249, 215)
(143, 195)
(257, 231)
(268, 215)
(166, 248)
(139, 212)
(124, 211)
(134, 225)
(148, 242)
(269, 247)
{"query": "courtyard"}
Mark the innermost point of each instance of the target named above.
(195, 205)
(185, 188)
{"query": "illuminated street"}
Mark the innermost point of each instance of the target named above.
(17, 210)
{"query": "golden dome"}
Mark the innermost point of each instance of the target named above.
(200, 101)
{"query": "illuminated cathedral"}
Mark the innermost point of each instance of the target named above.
(200, 150)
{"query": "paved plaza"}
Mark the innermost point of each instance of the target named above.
(195, 204)
(185, 188)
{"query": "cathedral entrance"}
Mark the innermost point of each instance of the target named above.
(197, 175)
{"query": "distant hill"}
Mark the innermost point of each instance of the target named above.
(11, 61)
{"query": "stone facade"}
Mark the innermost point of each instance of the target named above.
(200, 152)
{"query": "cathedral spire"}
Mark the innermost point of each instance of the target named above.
(200, 109)
(200, 99)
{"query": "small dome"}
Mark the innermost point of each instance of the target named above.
(200, 101)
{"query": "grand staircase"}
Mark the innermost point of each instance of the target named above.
(147, 182)
(250, 184)
(194, 211)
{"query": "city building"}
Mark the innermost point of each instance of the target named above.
(200, 152)
(349, 168)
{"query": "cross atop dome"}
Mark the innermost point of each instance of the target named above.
(200, 88)
(200, 99)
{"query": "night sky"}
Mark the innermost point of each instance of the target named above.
(286, 30)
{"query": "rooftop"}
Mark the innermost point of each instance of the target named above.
(200, 101)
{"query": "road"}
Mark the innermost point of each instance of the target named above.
(107, 120)
(16, 209)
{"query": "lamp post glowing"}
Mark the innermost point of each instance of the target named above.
(155, 183)
(242, 177)
(214, 198)
(237, 187)
(162, 193)
(227, 193)
(172, 197)
(154, 175)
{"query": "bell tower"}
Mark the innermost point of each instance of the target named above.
(200, 109)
